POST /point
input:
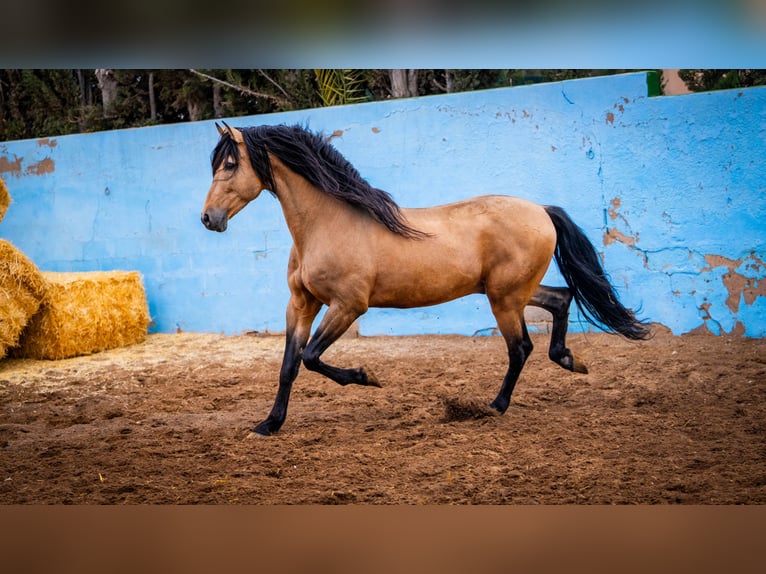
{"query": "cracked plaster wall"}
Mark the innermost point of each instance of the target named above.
(671, 190)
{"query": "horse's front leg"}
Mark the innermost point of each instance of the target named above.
(301, 311)
(336, 321)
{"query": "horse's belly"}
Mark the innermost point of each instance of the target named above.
(421, 287)
(410, 299)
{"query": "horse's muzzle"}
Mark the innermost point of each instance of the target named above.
(215, 219)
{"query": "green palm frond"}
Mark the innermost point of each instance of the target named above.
(339, 87)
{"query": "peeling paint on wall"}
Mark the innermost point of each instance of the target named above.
(11, 167)
(613, 235)
(15, 167)
(41, 167)
(747, 285)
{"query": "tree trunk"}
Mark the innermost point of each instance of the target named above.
(152, 99)
(449, 81)
(81, 83)
(195, 108)
(412, 82)
(217, 101)
(83, 101)
(404, 83)
(108, 84)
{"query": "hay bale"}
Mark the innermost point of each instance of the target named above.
(85, 313)
(22, 289)
(5, 199)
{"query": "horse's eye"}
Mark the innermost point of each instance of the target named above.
(229, 165)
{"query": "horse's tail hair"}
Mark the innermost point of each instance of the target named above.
(579, 264)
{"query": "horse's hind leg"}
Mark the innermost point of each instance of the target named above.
(335, 322)
(556, 301)
(514, 330)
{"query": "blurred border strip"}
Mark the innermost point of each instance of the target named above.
(386, 539)
(378, 34)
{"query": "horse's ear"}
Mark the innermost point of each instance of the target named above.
(221, 131)
(235, 134)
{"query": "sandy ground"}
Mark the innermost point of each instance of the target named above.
(670, 420)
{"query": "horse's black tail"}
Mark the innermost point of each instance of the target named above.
(580, 266)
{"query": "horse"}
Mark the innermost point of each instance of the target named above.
(355, 248)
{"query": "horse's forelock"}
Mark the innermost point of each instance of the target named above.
(225, 147)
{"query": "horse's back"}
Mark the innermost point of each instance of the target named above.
(496, 220)
(505, 209)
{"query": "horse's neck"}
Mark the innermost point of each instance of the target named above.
(307, 210)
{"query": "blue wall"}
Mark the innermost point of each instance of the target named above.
(672, 190)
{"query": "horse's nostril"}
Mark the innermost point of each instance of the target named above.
(206, 219)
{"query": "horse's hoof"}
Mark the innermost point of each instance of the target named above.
(372, 380)
(499, 406)
(578, 366)
(266, 428)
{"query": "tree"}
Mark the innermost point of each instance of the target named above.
(706, 80)
(40, 103)
(242, 85)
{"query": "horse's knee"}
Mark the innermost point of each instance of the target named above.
(310, 360)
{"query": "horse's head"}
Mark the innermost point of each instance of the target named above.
(235, 183)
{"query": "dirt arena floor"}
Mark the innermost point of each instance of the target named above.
(666, 421)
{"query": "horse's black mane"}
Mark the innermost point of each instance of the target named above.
(311, 156)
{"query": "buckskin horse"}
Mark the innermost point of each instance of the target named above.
(355, 248)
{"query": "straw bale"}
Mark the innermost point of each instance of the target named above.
(22, 289)
(85, 313)
(5, 199)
